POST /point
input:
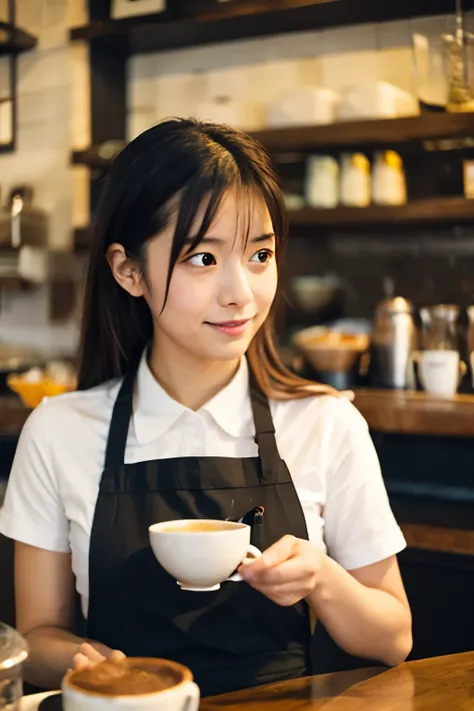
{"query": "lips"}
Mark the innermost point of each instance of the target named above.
(229, 324)
(230, 328)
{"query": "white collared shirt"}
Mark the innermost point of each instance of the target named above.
(324, 441)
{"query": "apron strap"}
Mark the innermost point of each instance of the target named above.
(264, 432)
(264, 428)
(120, 422)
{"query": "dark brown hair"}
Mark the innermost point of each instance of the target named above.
(197, 163)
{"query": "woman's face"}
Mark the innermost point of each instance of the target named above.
(221, 293)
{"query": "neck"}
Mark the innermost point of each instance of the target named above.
(189, 380)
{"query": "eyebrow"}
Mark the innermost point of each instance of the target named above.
(217, 240)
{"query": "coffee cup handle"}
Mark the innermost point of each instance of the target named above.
(462, 370)
(193, 697)
(252, 554)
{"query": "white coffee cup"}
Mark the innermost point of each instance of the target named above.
(182, 695)
(202, 554)
(440, 371)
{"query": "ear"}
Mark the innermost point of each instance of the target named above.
(126, 271)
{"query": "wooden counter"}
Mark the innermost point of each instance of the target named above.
(438, 538)
(407, 412)
(402, 412)
(439, 684)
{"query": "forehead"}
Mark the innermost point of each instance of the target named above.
(239, 214)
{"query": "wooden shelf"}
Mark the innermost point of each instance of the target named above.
(92, 157)
(380, 132)
(409, 412)
(162, 31)
(443, 210)
(435, 211)
(13, 40)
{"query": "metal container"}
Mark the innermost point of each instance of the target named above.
(21, 223)
(13, 652)
(394, 339)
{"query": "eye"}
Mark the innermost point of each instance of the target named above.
(203, 259)
(262, 256)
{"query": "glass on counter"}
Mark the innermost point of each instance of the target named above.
(440, 369)
(440, 327)
(13, 652)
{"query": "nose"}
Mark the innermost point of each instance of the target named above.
(235, 289)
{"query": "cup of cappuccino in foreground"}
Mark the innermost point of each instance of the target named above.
(202, 554)
(131, 685)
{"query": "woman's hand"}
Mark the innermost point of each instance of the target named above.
(287, 572)
(87, 656)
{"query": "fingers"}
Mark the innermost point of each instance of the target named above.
(87, 656)
(277, 554)
(286, 573)
(117, 656)
(286, 595)
(91, 654)
(79, 662)
(292, 570)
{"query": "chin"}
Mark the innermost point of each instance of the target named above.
(232, 351)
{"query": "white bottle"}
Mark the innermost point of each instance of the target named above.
(355, 180)
(388, 179)
(322, 182)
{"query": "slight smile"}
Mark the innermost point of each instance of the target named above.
(231, 328)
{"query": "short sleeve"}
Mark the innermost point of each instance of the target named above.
(32, 512)
(360, 528)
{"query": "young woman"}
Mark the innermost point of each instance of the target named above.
(184, 410)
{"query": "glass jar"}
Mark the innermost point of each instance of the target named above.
(459, 59)
(444, 65)
(440, 327)
(13, 652)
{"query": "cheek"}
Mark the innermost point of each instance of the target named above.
(185, 296)
(265, 287)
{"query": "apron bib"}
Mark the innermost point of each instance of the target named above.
(232, 638)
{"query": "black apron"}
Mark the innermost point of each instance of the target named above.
(232, 638)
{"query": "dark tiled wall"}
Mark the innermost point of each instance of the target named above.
(425, 266)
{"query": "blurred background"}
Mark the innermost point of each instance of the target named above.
(365, 111)
(368, 111)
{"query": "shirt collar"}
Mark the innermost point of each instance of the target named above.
(231, 408)
(154, 411)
